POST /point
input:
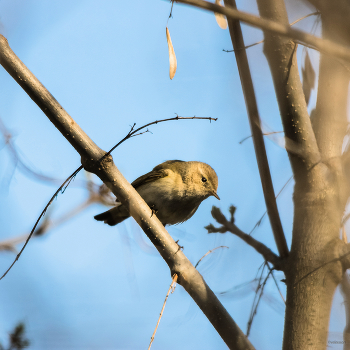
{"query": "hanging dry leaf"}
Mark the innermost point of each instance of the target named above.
(220, 19)
(309, 77)
(172, 57)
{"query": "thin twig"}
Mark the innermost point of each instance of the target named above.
(261, 248)
(265, 134)
(61, 189)
(171, 289)
(171, 10)
(261, 41)
(259, 221)
(49, 225)
(257, 298)
(208, 252)
(322, 265)
(306, 16)
(16, 158)
(245, 47)
(322, 45)
(24, 168)
(274, 279)
(66, 183)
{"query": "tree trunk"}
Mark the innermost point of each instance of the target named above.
(318, 197)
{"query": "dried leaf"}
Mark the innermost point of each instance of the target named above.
(172, 57)
(309, 77)
(220, 19)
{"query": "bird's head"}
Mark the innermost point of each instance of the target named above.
(201, 180)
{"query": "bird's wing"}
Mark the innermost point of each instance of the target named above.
(150, 177)
(168, 164)
(161, 170)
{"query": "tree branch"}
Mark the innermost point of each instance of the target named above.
(266, 252)
(91, 154)
(300, 139)
(255, 126)
(335, 14)
(322, 45)
(330, 118)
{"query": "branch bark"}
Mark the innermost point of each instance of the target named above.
(258, 139)
(313, 269)
(330, 120)
(91, 156)
(322, 45)
(281, 55)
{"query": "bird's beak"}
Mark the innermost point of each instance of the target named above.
(215, 194)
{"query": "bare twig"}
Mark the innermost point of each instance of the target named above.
(260, 291)
(171, 289)
(274, 279)
(260, 220)
(346, 264)
(133, 132)
(265, 134)
(46, 225)
(207, 253)
(245, 47)
(322, 45)
(266, 252)
(261, 41)
(61, 189)
(17, 159)
(171, 10)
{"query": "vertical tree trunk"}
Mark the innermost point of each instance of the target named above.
(318, 205)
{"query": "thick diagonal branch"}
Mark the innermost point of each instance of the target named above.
(258, 139)
(91, 154)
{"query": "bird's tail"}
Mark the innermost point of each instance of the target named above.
(113, 216)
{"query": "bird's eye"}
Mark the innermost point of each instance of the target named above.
(204, 179)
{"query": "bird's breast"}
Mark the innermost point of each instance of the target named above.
(168, 196)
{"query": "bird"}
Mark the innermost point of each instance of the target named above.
(173, 190)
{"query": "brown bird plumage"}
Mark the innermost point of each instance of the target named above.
(174, 189)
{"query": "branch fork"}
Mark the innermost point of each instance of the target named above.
(229, 226)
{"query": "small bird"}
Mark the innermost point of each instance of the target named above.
(173, 190)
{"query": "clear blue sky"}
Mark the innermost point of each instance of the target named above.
(85, 285)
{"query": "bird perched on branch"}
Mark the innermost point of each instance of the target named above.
(173, 190)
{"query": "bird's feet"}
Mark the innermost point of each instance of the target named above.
(154, 210)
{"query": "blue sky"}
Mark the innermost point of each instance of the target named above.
(85, 285)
